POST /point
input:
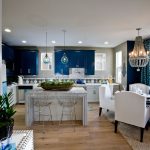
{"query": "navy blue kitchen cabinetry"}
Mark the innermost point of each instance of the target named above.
(76, 59)
(89, 62)
(7, 53)
(8, 56)
(26, 62)
(61, 68)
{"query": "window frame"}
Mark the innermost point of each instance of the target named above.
(118, 66)
(102, 61)
(49, 66)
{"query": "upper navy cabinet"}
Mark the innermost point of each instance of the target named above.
(76, 59)
(7, 53)
(27, 62)
(8, 56)
(60, 67)
(89, 62)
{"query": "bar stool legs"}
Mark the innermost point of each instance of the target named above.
(68, 109)
(50, 113)
(41, 106)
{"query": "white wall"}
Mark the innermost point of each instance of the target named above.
(109, 63)
(122, 47)
(46, 73)
(0, 46)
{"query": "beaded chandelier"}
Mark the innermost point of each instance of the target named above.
(138, 57)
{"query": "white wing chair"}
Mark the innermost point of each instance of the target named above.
(106, 100)
(131, 108)
(141, 86)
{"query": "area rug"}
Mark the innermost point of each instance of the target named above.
(131, 134)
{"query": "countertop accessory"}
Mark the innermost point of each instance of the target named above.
(57, 85)
(20, 80)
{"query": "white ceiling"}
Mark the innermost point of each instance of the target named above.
(91, 21)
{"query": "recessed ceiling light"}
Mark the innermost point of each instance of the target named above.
(7, 30)
(53, 42)
(24, 41)
(80, 42)
(106, 43)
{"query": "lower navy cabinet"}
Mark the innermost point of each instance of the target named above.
(26, 62)
(76, 59)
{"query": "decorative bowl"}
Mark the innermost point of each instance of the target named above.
(57, 85)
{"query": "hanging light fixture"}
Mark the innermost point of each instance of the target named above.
(46, 59)
(138, 57)
(64, 58)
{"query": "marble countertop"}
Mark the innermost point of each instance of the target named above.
(76, 85)
(78, 90)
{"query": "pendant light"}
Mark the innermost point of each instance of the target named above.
(138, 57)
(64, 58)
(46, 59)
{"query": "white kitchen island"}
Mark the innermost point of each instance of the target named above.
(78, 93)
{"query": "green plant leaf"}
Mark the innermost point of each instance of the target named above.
(6, 110)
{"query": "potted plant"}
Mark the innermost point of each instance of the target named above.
(6, 116)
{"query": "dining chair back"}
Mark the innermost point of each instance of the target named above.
(106, 100)
(131, 108)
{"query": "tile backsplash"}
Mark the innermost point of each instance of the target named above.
(85, 80)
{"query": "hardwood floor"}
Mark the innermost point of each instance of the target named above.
(99, 135)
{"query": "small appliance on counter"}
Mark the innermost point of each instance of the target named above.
(20, 80)
(80, 81)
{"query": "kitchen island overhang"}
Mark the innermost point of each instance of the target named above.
(77, 93)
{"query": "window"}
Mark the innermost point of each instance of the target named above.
(118, 66)
(100, 61)
(46, 66)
